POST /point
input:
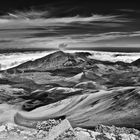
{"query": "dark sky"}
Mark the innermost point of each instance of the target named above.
(85, 6)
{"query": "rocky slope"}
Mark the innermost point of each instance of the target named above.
(118, 107)
(61, 130)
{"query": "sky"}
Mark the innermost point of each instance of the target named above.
(81, 25)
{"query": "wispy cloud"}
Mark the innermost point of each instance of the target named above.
(129, 10)
(32, 14)
(22, 21)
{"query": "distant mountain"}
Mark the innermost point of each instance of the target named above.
(56, 60)
(60, 60)
(136, 63)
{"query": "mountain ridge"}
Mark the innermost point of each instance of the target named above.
(56, 60)
(61, 60)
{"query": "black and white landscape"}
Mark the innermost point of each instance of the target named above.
(69, 70)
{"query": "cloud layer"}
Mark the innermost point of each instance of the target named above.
(37, 30)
